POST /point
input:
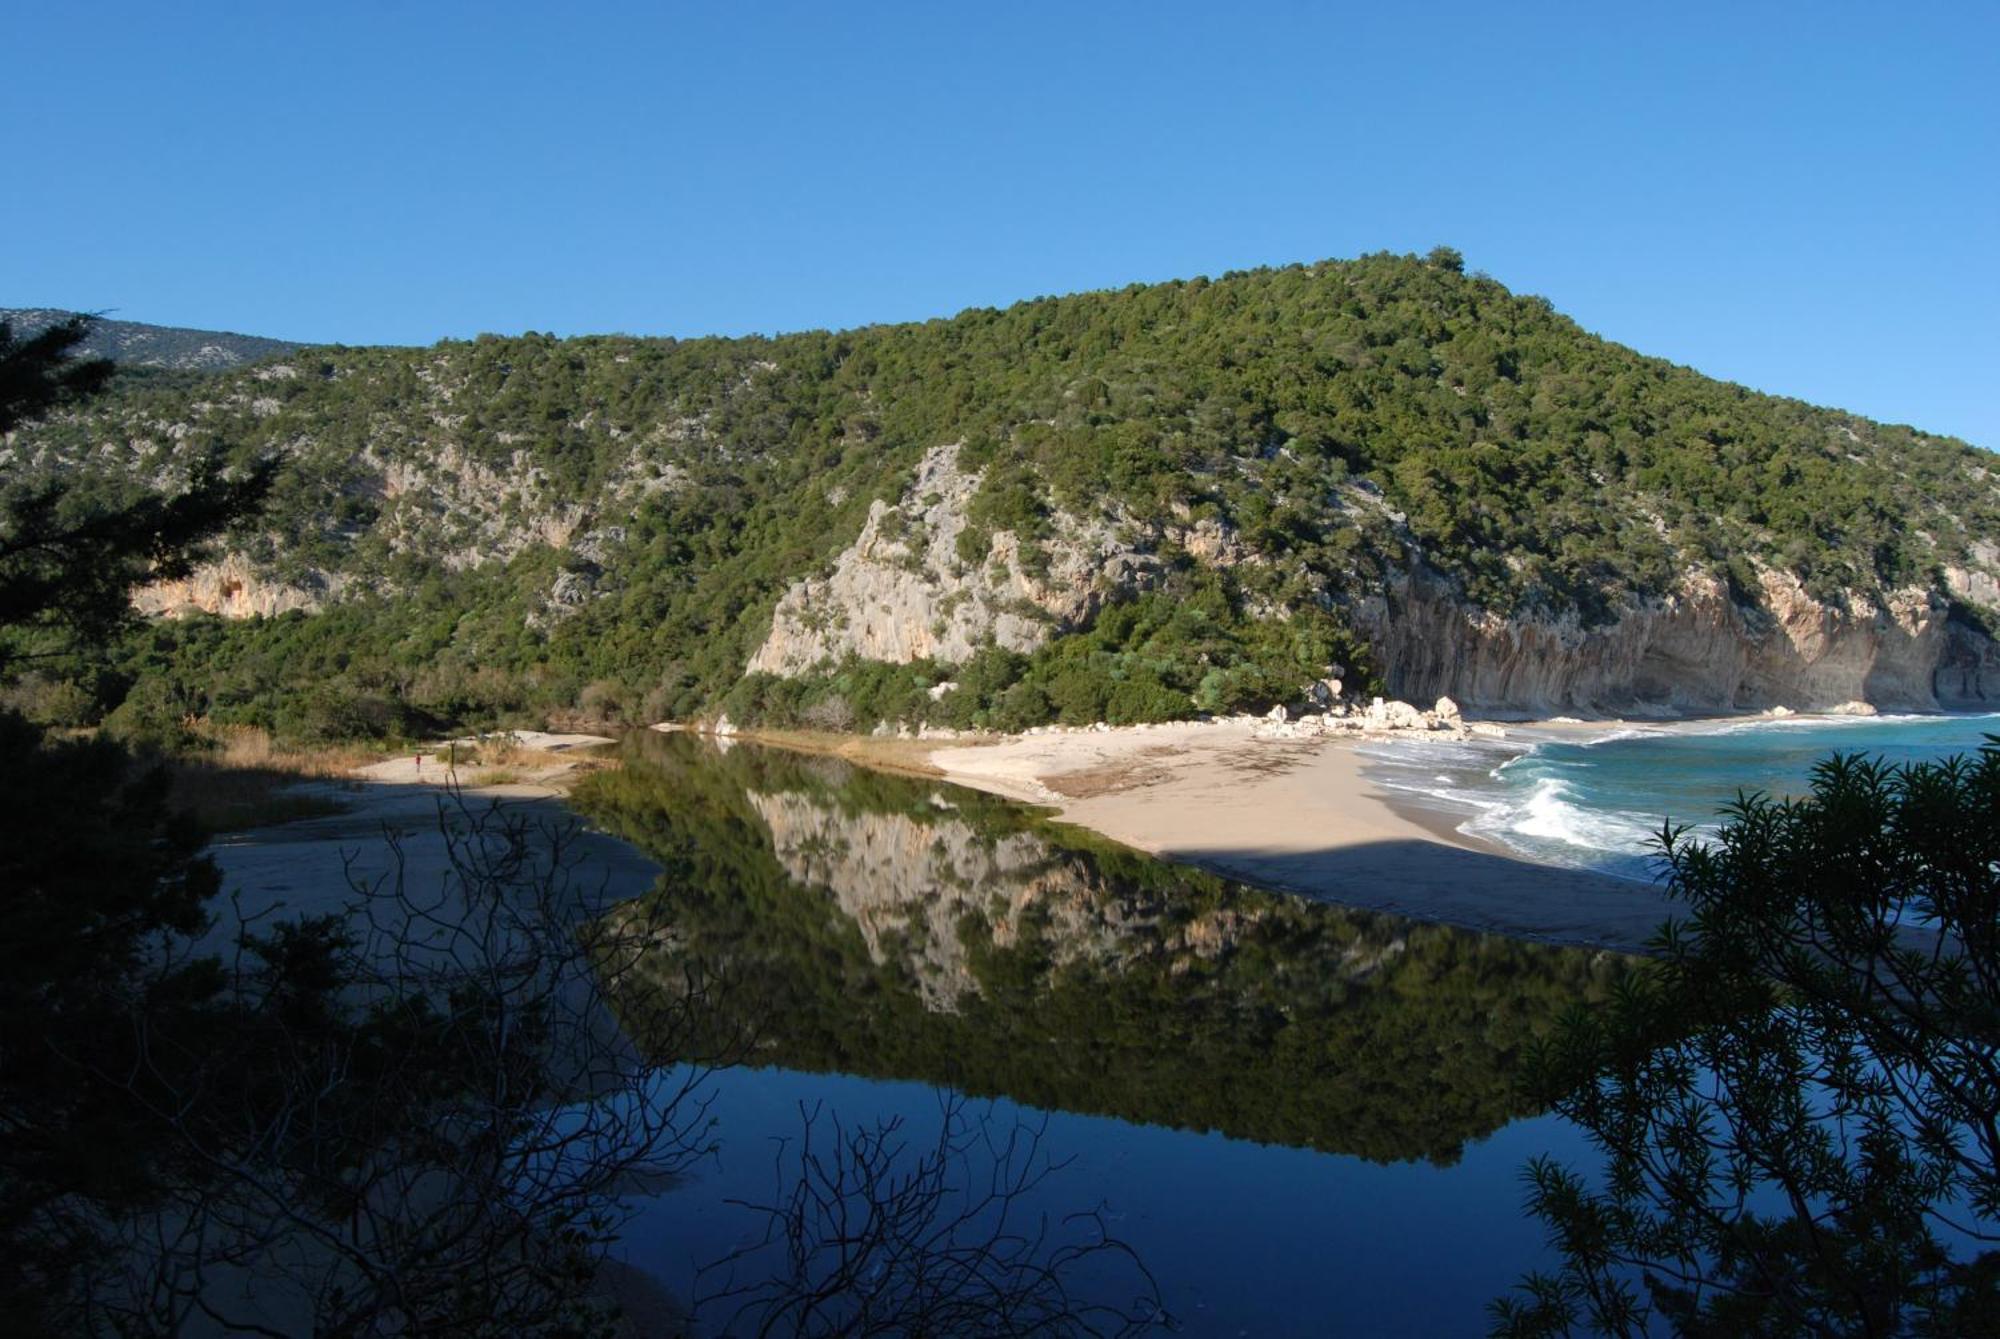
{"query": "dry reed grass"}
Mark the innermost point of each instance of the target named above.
(247, 781)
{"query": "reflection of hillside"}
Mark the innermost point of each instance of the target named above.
(895, 928)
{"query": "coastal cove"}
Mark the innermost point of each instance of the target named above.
(681, 672)
(1542, 830)
(1304, 816)
(1302, 1115)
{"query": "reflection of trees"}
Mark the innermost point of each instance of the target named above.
(1006, 955)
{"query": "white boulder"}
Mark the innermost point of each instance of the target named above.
(1394, 716)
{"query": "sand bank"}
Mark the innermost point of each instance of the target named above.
(396, 819)
(1299, 815)
(519, 764)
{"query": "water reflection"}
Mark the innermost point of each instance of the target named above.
(896, 928)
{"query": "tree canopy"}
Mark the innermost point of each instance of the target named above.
(1799, 1109)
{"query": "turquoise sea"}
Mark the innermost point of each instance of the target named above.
(1599, 800)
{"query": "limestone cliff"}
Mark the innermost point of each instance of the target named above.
(902, 592)
(234, 588)
(1697, 651)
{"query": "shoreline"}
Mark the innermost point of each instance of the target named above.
(1300, 813)
(397, 823)
(1302, 816)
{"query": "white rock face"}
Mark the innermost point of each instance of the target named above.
(901, 592)
(1696, 651)
(1378, 718)
(232, 588)
(1393, 716)
(1977, 582)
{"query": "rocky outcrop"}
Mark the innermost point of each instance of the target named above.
(1974, 579)
(233, 588)
(903, 591)
(1695, 651)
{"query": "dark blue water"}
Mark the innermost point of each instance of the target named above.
(1302, 1118)
(1243, 1238)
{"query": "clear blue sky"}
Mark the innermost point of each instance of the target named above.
(1802, 197)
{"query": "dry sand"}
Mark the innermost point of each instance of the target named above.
(1299, 815)
(531, 764)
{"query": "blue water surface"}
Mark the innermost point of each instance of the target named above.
(1300, 1117)
(1243, 1238)
(1303, 1118)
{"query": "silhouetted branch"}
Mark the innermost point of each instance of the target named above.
(420, 1117)
(867, 1235)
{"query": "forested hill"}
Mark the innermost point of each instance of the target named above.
(135, 344)
(1183, 496)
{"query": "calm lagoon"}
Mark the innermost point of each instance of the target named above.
(1301, 1117)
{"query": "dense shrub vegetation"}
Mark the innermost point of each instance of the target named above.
(1340, 419)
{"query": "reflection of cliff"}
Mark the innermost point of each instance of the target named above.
(915, 887)
(895, 928)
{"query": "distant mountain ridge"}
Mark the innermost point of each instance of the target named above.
(135, 344)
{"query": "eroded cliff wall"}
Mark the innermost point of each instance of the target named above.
(1696, 651)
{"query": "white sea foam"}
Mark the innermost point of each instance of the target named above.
(1835, 722)
(1434, 753)
(1557, 799)
(1548, 812)
(1627, 732)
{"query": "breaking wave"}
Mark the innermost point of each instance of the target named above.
(1600, 801)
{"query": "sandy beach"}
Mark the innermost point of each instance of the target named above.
(1299, 815)
(1293, 814)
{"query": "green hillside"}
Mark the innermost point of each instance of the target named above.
(515, 525)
